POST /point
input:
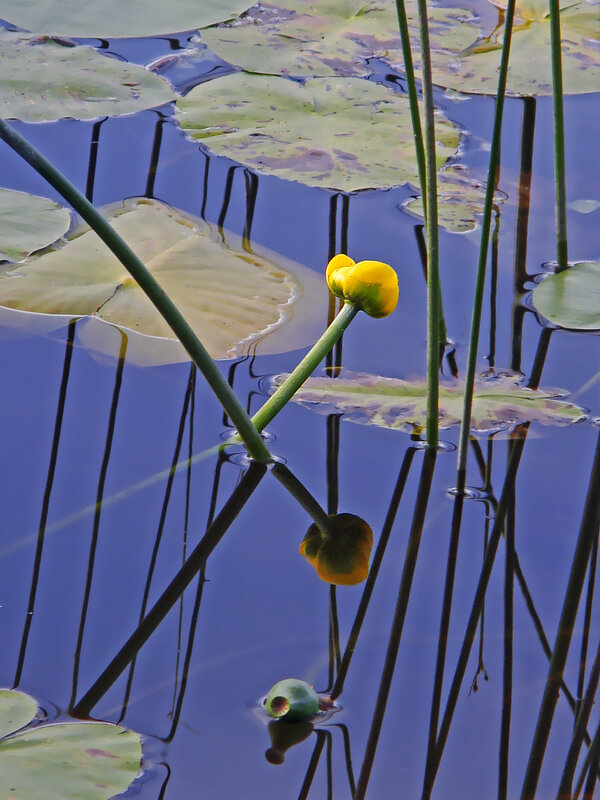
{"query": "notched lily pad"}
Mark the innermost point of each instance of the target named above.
(571, 298)
(499, 403)
(44, 79)
(66, 761)
(339, 133)
(28, 223)
(107, 19)
(238, 302)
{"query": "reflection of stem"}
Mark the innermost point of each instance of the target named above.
(507, 673)
(493, 290)
(154, 156)
(297, 489)
(174, 590)
(422, 248)
(559, 136)
(251, 183)
(410, 561)
(587, 621)
(313, 763)
(93, 159)
(524, 196)
(347, 756)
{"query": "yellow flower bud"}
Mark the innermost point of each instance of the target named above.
(342, 557)
(371, 285)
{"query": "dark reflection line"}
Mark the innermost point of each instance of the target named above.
(344, 223)
(251, 184)
(329, 762)
(165, 783)
(331, 251)
(374, 571)
(507, 671)
(540, 358)
(332, 467)
(226, 198)
(593, 757)
(525, 173)
(93, 160)
(587, 621)
(494, 289)
(587, 532)
(161, 528)
(389, 667)
(154, 155)
(334, 635)
(347, 756)
(205, 186)
(112, 417)
(37, 561)
(239, 497)
(313, 763)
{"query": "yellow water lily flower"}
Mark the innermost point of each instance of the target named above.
(371, 285)
(342, 556)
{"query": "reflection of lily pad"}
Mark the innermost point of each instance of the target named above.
(571, 298)
(42, 79)
(68, 761)
(342, 133)
(28, 223)
(112, 18)
(324, 38)
(460, 199)
(499, 403)
(238, 302)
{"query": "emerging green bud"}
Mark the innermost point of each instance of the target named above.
(371, 285)
(292, 700)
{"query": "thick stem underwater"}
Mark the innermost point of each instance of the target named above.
(231, 405)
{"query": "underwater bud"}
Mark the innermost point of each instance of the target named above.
(341, 556)
(370, 285)
(284, 735)
(292, 700)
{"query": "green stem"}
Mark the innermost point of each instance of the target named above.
(299, 491)
(559, 136)
(233, 408)
(494, 164)
(431, 227)
(306, 367)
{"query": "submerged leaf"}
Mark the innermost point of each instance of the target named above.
(107, 19)
(68, 761)
(342, 133)
(571, 298)
(238, 302)
(342, 556)
(42, 79)
(28, 223)
(499, 403)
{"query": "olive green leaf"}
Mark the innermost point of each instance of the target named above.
(28, 223)
(460, 199)
(67, 761)
(42, 79)
(339, 133)
(571, 298)
(238, 302)
(113, 18)
(499, 403)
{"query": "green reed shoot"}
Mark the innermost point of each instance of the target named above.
(559, 136)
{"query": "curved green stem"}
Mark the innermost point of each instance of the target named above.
(299, 491)
(231, 405)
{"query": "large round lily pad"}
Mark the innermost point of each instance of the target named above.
(338, 133)
(237, 301)
(28, 223)
(115, 18)
(42, 79)
(571, 298)
(498, 403)
(325, 38)
(68, 761)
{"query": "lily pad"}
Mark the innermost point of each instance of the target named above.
(325, 38)
(67, 761)
(460, 199)
(238, 302)
(113, 18)
(28, 223)
(43, 79)
(498, 404)
(571, 298)
(339, 133)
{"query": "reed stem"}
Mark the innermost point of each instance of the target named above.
(559, 136)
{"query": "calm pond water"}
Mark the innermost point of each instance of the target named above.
(76, 428)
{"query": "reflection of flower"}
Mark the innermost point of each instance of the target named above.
(342, 555)
(371, 285)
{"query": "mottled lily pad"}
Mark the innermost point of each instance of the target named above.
(28, 223)
(571, 298)
(325, 38)
(42, 79)
(499, 403)
(114, 18)
(237, 301)
(460, 199)
(68, 761)
(339, 133)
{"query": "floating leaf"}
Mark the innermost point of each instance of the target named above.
(113, 18)
(28, 223)
(342, 556)
(42, 79)
(68, 761)
(238, 302)
(499, 403)
(339, 133)
(571, 298)
(460, 199)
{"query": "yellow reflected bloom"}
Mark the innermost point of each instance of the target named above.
(371, 285)
(342, 556)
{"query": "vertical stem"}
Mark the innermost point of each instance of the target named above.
(507, 677)
(559, 136)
